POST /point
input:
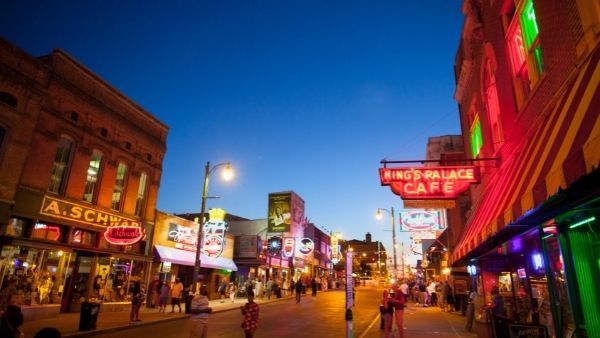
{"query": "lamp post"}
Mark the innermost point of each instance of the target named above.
(227, 175)
(379, 215)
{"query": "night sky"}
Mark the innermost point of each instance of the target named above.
(304, 95)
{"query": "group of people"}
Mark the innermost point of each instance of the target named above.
(200, 309)
(161, 292)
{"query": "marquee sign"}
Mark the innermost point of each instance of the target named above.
(289, 243)
(79, 213)
(429, 182)
(214, 233)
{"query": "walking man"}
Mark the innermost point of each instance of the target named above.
(200, 311)
(298, 286)
(176, 291)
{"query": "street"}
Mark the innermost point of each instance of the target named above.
(321, 316)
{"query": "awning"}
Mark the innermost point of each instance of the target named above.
(560, 147)
(185, 257)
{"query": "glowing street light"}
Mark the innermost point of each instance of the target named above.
(227, 175)
(379, 216)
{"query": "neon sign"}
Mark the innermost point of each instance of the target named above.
(214, 233)
(420, 221)
(288, 246)
(306, 246)
(429, 182)
(123, 234)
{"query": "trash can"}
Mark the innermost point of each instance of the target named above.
(88, 316)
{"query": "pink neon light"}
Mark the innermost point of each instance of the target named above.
(123, 234)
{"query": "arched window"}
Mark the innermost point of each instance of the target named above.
(93, 174)
(121, 179)
(492, 104)
(141, 194)
(62, 159)
(8, 99)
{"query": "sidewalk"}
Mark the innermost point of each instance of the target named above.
(68, 323)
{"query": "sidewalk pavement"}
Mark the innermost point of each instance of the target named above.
(68, 323)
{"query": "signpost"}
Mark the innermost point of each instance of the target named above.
(349, 294)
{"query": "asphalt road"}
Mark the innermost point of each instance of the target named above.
(316, 317)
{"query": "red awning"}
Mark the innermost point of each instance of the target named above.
(560, 147)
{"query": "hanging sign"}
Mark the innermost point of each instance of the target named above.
(306, 246)
(123, 234)
(214, 233)
(274, 246)
(335, 252)
(288, 246)
(429, 182)
(420, 220)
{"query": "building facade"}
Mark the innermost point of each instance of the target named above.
(81, 165)
(527, 86)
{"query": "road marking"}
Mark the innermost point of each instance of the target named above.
(370, 326)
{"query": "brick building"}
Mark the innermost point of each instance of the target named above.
(80, 170)
(527, 76)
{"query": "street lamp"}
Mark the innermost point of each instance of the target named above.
(227, 175)
(379, 216)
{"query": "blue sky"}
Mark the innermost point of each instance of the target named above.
(298, 95)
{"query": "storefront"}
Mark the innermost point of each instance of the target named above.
(59, 252)
(175, 243)
(534, 230)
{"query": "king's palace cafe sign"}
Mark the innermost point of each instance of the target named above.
(414, 183)
(117, 229)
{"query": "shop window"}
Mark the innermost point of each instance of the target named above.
(83, 237)
(38, 274)
(117, 195)
(14, 228)
(114, 278)
(60, 165)
(93, 173)
(476, 137)
(141, 194)
(525, 55)
(8, 99)
(492, 104)
(49, 232)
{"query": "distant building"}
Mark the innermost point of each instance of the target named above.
(370, 255)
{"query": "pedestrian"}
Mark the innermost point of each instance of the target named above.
(292, 287)
(11, 319)
(250, 313)
(499, 319)
(164, 292)
(199, 313)
(269, 287)
(222, 289)
(258, 286)
(152, 292)
(48, 332)
(387, 312)
(449, 296)
(298, 286)
(404, 289)
(232, 291)
(398, 303)
(138, 297)
(176, 291)
(285, 287)
(313, 286)
(431, 289)
(470, 310)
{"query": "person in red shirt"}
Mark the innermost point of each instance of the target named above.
(250, 313)
(398, 303)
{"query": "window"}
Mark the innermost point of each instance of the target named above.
(14, 228)
(59, 167)
(119, 187)
(83, 237)
(8, 99)
(50, 232)
(492, 105)
(524, 50)
(141, 194)
(92, 176)
(476, 139)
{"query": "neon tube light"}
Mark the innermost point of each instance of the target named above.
(591, 219)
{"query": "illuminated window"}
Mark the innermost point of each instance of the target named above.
(83, 237)
(492, 104)
(92, 176)
(522, 39)
(119, 186)
(141, 195)
(476, 138)
(59, 167)
(46, 231)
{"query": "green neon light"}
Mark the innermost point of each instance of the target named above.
(547, 236)
(580, 223)
(529, 24)
(538, 59)
(476, 138)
